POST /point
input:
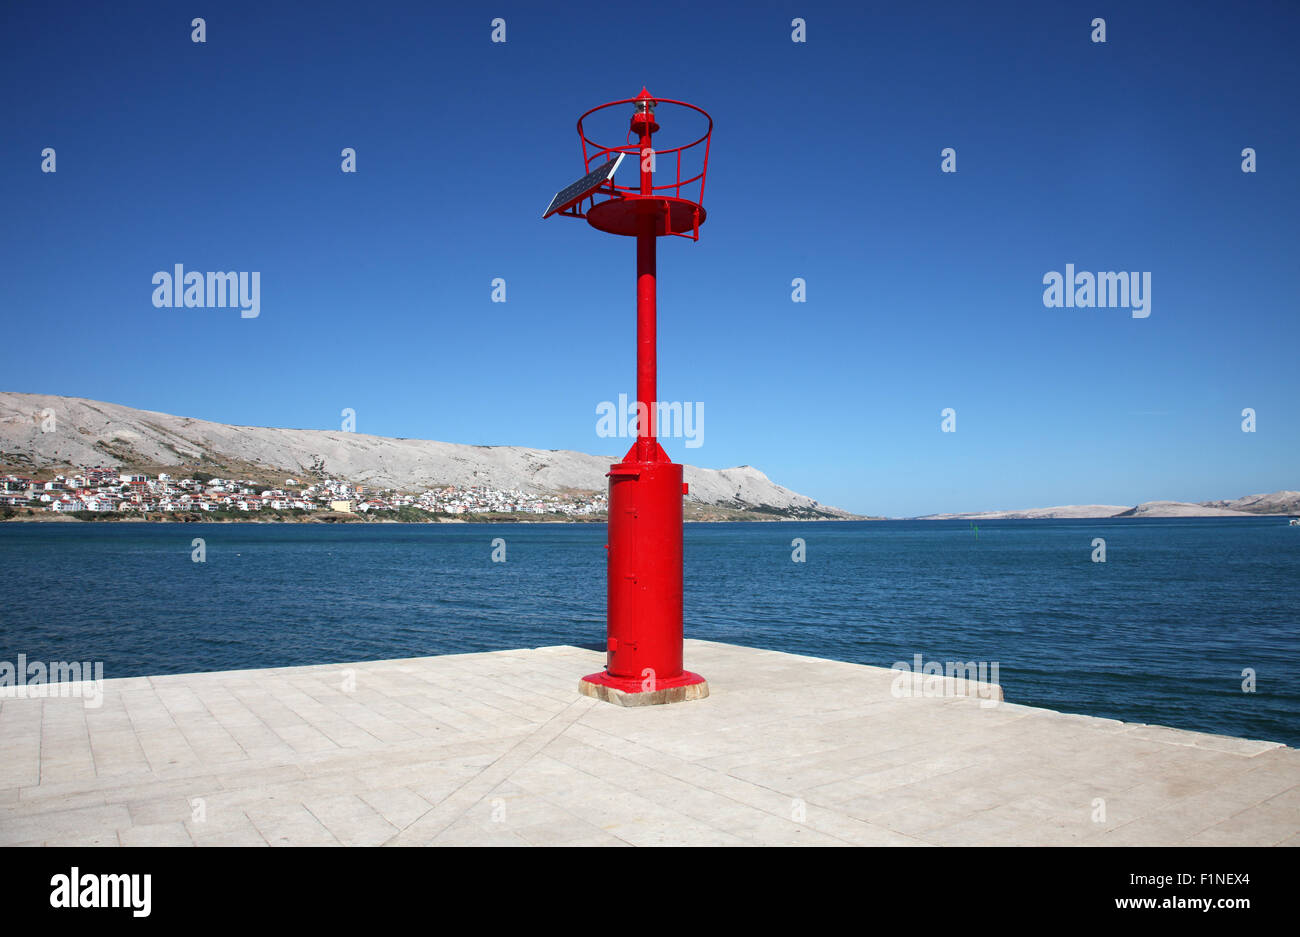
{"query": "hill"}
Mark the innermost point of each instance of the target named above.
(89, 432)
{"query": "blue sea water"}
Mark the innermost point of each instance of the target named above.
(1160, 633)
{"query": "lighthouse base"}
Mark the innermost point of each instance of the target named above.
(629, 691)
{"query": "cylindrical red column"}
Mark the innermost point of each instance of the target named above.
(645, 571)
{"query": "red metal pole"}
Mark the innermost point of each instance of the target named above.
(644, 566)
(646, 341)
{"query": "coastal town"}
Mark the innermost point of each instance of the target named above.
(98, 491)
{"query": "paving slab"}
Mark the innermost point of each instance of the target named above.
(500, 748)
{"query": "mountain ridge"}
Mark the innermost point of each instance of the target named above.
(42, 431)
(1283, 502)
(90, 432)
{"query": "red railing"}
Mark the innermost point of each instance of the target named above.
(594, 154)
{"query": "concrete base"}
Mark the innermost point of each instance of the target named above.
(792, 750)
(604, 689)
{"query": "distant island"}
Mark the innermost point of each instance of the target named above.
(1276, 503)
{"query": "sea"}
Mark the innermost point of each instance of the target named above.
(1188, 622)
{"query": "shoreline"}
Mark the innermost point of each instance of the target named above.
(336, 518)
(51, 518)
(59, 519)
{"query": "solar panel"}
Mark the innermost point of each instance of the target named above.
(571, 195)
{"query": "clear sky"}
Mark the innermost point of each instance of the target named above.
(924, 289)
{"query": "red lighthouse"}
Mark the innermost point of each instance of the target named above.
(644, 573)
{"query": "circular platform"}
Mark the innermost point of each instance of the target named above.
(626, 215)
(631, 691)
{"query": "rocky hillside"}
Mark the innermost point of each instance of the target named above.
(1279, 502)
(88, 432)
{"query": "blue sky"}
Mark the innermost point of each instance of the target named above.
(924, 288)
